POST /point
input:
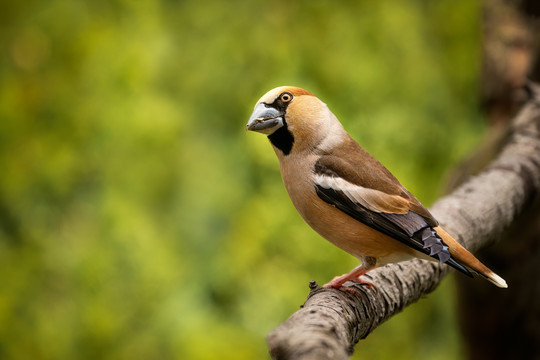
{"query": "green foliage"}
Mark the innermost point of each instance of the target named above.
(139, 220)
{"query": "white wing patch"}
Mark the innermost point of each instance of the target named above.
(371, 199)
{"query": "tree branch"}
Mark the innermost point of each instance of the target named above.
(331, 322)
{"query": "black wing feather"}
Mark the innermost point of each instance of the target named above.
(411, 229)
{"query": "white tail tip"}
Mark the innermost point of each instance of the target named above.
(497, 280)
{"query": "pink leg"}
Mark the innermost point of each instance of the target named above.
(353, 275)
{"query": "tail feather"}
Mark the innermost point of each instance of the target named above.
(494, 279)
(463, 257)
(453, 263)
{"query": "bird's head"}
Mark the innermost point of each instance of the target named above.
(294, 119)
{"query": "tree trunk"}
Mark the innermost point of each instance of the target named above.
(508, 325)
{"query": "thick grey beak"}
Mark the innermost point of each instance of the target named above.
(265, 119)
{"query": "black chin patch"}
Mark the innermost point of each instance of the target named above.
(282, 139)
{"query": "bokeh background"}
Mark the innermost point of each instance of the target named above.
(138, 219)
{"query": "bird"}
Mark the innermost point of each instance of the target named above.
(349, 197)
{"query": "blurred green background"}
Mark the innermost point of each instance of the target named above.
(138, 219)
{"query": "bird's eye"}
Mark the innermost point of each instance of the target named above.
(286, 97)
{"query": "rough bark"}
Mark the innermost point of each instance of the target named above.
(331, 322)
(510, 50)
(511, 55)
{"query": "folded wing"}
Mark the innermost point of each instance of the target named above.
(386, 207)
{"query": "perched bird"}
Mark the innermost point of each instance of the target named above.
(346, 195)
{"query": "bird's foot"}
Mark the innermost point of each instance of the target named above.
(339, 281)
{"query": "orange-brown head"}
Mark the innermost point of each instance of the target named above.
(294, 119)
